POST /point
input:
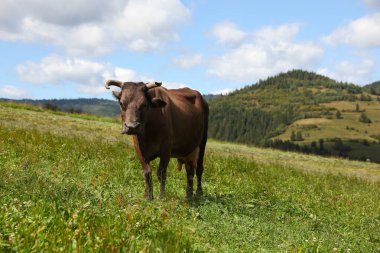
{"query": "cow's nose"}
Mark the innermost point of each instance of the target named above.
(133, 125)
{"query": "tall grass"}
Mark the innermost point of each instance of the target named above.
(67, 192)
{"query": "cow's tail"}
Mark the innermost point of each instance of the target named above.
(202, 148)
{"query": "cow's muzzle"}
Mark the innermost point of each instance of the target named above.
(131, 128)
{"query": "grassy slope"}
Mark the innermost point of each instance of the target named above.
(75, 184)
(102, 107)
(328, 128)
(347, 128)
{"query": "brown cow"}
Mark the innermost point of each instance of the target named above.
(164, 123)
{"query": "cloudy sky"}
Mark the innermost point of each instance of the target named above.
(67, 48)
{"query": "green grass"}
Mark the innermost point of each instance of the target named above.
(72, 184)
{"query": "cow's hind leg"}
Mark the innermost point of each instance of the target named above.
(161, 174)
(190, 167)
(199, 172)
(199, 169)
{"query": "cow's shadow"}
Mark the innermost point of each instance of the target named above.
(206, 198)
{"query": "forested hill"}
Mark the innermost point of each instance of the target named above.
(258, 112)
(373, 88)
(293, 89)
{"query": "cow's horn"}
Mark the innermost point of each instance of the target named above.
(109, 83)
(152, 85)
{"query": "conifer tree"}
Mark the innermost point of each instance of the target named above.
(321, 144)
(293, 136)
(338, 114)
(364, 118)
(299, 136)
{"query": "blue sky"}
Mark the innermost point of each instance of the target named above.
(67, 49)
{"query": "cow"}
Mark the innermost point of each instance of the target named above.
(164, 123)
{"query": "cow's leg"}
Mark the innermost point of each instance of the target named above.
(161, 174)
(147, 173)
(202, 148)
(199, 172)
(190, 178)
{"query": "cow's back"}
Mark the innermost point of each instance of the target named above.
(187, 111)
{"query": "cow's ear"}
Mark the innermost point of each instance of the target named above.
(157, 103)
(116, 94)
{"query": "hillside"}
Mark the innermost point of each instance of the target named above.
(72, 183)
(302, 102)
(95, 106)
(373, 88)
(297, 110)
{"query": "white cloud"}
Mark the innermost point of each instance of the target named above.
(174, 85)
(88, 75)
(146, 24)
(271, 51)
(283, 33)
(9, 91)
(93, 27)
(227, 33)
(83, 39)
(372, 3)
(59, 12)
(188, 62)
(350, 71)
(363, 32)
(52, 18)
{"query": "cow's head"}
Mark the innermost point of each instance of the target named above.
(134, 101)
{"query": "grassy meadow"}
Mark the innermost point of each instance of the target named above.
(72, 183)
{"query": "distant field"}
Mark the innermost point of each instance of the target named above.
(348, 127)
(73, 183)
(311, 121)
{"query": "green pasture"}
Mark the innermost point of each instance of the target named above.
(72, 183)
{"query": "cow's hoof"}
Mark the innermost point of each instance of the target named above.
(189, 196)
(148, 196)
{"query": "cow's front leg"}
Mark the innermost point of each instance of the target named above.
(161, 174)
(190, 169)
(147, 173)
